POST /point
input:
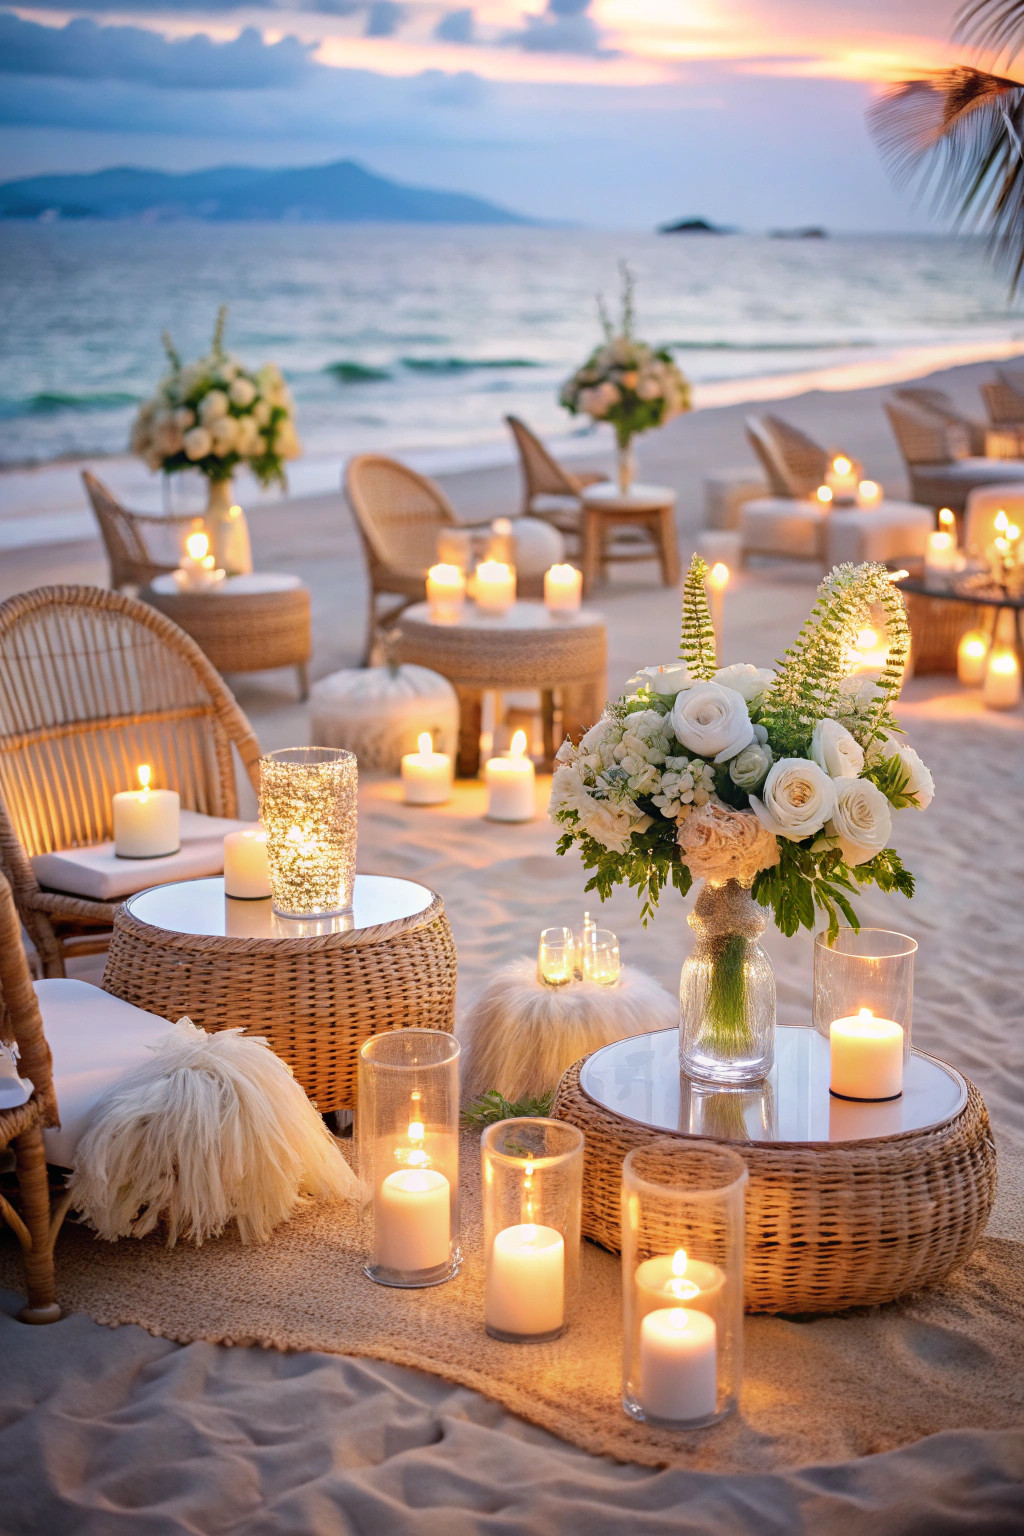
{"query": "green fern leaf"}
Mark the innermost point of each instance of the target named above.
(697, 642)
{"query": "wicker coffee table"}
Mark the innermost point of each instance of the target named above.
(565, 658)
(939, 617)
(848, 1204)
(644, 509)
(248, 623)
(315, 988)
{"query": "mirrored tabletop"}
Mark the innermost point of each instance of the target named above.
(640, 1080)
(200, 907)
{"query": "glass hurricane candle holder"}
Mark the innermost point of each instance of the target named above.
(864, 1006)
(532, 1183)
(682, 1282)
(556, 957)
(308, 808)
(601, 960)
(407, 1140)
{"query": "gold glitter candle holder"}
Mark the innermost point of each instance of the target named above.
(308, 807)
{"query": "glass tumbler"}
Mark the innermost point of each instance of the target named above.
(601, 962)
(308, 807)
(864, 1006)
(556, 957)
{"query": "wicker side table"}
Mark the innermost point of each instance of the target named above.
(316, 989)
(527, 648)
(854, 1218)
(248, 623)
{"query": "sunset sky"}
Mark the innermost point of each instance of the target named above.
(607, 112)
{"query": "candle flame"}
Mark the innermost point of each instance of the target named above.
(1003, 662)
(518, 745)
(1002, 521)
(865, 1017)
(679, 1262)
(425, 742)
(946, 519)
(198, 546)
(823, 493)
(449, 575)
(1013, 532)
(493, 570)
(941, 541)
(562, 572)
(866, 639)
(145, 773)
(973, 646)
(416, 1130)
(841, 464)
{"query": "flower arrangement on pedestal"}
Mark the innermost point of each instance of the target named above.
(627, 383)
(775, 787)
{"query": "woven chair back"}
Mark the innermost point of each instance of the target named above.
(793, 464)
(93, 684)
(399, 514)
(131, 563)
(542, 474)
(923, 437)
(1013, 378)
(937, 403)
(21, 1023)
(1005, 406)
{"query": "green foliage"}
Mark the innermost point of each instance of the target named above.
(892, 777)
(490, 1107)
(802, 881)
(887, 872)
(218, 331)
(650, 863)
(173, 355)
(697, 641)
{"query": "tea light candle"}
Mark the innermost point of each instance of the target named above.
(246, 877)
(970, 658)
(678, 1364)
(867, 1057)
(869, 494)
(510, 784)
(146, 821)
(1001, 688)
(824, 495)
(525, 1287)
(601, 959)
(556, 957)
(446, 592)
(412, 1220)
(495, 587)
(674, 1279)
(197, 566)
(841, 478)
(563, 589)
(426, 774)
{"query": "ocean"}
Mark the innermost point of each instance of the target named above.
(395, 337)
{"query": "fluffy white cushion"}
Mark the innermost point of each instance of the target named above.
(776, 525)
(97, 873)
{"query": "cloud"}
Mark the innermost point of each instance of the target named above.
(455, 27)
(384, 18)
(563, 28)
(84, 51)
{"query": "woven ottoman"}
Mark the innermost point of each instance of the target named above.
(251, 623)
(379, 712)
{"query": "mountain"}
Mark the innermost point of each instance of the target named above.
(344, 192)
(694, 227)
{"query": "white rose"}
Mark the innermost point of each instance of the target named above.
(247, 441)
(835, 750)
(712, 721)
(261, 412)
(184, 418)
(749, 682)
(224, 434)
(197, 443)
(666, 682)
(797, 799)
(861, 821)
(920, 785)
(212, 407)
(242, 393)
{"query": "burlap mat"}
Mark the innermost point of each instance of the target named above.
(823, 1389)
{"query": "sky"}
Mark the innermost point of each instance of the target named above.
(609, 113)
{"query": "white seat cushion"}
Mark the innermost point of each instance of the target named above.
(98, 874)
(777, 525)
(896, 530)
(94, 1039)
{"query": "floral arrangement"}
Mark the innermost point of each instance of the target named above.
(213, 415)
(784, 780)
(624, 381)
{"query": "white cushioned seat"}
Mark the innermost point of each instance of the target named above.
(725, 493)
(894, 531)
(379, 713)
(96, 872)
(780, 525)
(982, 506)
(94, 1038)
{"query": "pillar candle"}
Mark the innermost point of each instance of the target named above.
(970, 658)
(525, 1286)
(563, 589)
(841, 478)
(426, 774)
(718, 580)
(495, 587)
(942, 560)
(412, 1220)
(510, 784)
(146, 820)
(867, 1057)
(246, 877)
(678, 1364)
(674, 1279)
(1001, 689)
(446, 592)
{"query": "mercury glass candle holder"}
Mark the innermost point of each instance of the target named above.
(407, 1142)
(864, 1006)
(682, 1282)
(532, 1183)
(308, 808)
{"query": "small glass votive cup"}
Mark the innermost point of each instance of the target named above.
(308, 808)
(600, 957)
(556, 957)
(532, 1185)
(682, 1282)
(864, 1006)
(407, 1143)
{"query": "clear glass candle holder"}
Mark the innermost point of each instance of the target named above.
(682, 1282)
(864, 1006)
(308, 808)
(600, 955)
(556, 957)
(407, 1141)
(532, 1183)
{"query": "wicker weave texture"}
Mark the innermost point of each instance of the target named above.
(314, 999)
(132, 563)
(936, 627)
(831, 1226)
(545, 657)
(251, 632)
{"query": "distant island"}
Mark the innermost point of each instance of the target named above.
(694, 227)
(804, 232)
(343, 192)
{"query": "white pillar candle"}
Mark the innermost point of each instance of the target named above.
(678, 1364)
(446, 592)
(525, 1287)
(674, 1279)
(563, 589)
(867, 1057)
(1001, 689)
(971, 655)
(495, 586)
(426, 774)
(412, 1220)
(146, 821)
(197, 568)
(246, 877)
(510, 784)
(718, 580)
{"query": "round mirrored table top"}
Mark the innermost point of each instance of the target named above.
(525, 613)
(640, 1080)
(200, 907)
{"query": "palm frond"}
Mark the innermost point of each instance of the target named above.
(994, 26)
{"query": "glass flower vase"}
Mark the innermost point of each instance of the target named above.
(625, 467)
(228, 530)
(727, 990)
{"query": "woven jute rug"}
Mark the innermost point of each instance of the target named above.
(819, 1389)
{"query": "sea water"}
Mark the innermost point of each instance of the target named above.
(425, 337)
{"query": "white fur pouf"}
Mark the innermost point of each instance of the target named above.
(520, 1035)
(214, 1128)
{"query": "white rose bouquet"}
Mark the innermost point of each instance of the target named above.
(213, 415)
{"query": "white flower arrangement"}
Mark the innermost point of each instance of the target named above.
(785, 780)
(213, 415)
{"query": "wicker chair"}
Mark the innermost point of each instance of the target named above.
(22, 1128)
(793, 462)
(939, 404)
(941, 470)
(132, 564)
(1005, 405)
(549, 491)
(92, 683)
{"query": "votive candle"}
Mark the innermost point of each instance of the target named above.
(971, 654)
(510, 784)
(446, 592)
(678, 1364)
(1002, 687)
(146, 821)
(841, 477)
(866, 1057)
(426, 774)
(563, 589)
(246, 875)
(495, 587)
(869, 494)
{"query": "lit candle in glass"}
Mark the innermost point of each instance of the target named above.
(525, 1286)
(412, 1221)
(146, 821)
(196, 567)
(841, 478)
(446, 593)
(970, 658)
(678, 1364)
(1001, 688)
(866, 1057)
(246, 875)
(563, 589)
(869, 652)
(947, 521)
(942, 560)
(601, 962)
(869, 494)
(556, 956)
(495, 587)
(824, 495)
(426, 774)
(510, 784)
(674, 1279)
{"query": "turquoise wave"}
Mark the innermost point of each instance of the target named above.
(356, 373)
(464, 364)
(49, 402)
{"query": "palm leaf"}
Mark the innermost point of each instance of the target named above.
(996, 26)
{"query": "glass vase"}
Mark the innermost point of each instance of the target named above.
(228, 530)
(625, 467)
(727, 990)
(308, 808)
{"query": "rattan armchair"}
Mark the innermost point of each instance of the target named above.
(550, 491)
(132, 563)
(1005, 405)
(794, 463)
(941, 471)
(92, 683)
(939, 404)
(22, 1128)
